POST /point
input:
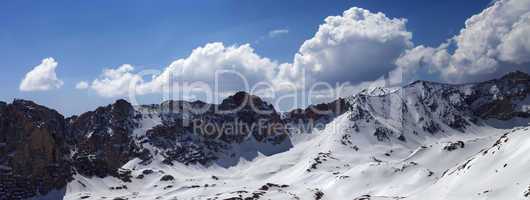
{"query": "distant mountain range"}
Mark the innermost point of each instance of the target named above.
(425, 140)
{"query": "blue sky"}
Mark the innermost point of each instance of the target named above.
(88, 36)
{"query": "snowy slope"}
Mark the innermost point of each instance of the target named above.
(321, 164)
(499, 171)
(423, 141)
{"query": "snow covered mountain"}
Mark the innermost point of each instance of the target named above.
(425, 140)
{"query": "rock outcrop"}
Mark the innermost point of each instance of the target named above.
(34, 155)
(316, 116)
(196, 132)
(104, 139)
(507, 97)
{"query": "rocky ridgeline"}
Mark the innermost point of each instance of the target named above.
(40, 150)
(503, 98)
(434, 108)
(196, 132)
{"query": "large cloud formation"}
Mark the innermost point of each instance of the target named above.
(492, 42)
(215, 62)
(232, 65)
(356, 46)
(42, 77)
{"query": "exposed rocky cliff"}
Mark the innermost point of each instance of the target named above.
(103, 139)
(34, 155)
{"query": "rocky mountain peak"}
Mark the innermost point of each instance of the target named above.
(516, 76)
(178, 106)
(432, 107)
(317, 115)
(104, 139)
(376, 91)
(123, 114)
(122, 105)
(244, 100)
(106, 120)
(23, 102)
(27, 105)
(29, 111)
(241, 96)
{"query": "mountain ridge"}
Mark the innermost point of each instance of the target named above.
(100, 143)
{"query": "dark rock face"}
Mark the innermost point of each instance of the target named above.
(103, 139)
(196, 132)
(454, 146)
(241, 110)
(383, 134)
(505, 94)
(36, 145)
(258, 118)
(33, 150)
(167, 178)
(317, 116)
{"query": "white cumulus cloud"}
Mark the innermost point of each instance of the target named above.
(116, 82)
(492, 42)
(42, 77)
(232, 65)
(357, 46)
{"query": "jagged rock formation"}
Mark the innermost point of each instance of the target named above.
(40, 149)
(508, 97)
(196, 132)
(316, 116)
(103, 139)
(33, 150)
